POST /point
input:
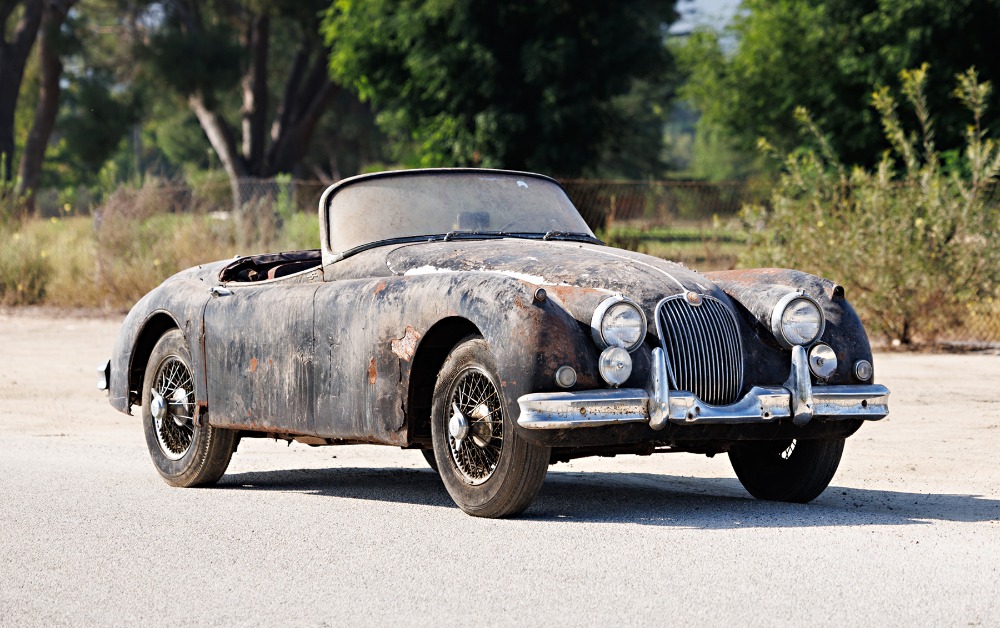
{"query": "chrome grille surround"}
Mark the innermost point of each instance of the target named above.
(703, 346)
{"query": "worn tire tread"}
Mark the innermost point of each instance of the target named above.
(800, 479)
(212, 448)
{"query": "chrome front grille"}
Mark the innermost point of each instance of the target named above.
(703, 348)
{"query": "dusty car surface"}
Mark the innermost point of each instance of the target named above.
(473, 315)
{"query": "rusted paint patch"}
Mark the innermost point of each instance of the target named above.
(253, 365)
(405, 347)
(372, 374)
(380, 287)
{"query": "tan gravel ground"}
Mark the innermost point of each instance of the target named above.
(908, 533)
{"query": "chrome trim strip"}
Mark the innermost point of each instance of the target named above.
(587, 408)
(104, 376)
(595, 408)
(658, 391)
(800, 386)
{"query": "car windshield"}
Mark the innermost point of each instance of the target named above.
(449, 204)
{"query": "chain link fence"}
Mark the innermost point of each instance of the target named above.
(658, 203)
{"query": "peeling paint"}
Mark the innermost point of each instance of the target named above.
(253, 365)
(535, 279)
(372, 374)
(405, 347)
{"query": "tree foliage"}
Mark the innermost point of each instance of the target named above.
(914, 242)
(825, 55)
(538, 86)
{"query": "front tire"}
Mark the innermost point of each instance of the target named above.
(182, 452)
(488, 469)
(786, 471)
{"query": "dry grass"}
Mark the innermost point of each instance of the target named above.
(132, 243)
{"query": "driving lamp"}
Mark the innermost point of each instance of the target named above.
(615, 365)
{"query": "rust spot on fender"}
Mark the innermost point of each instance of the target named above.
(380, 287)
(405, 347)
(372, 374)
(253, 365)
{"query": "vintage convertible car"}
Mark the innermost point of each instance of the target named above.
(473, 315)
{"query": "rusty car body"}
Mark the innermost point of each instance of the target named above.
(473, 315)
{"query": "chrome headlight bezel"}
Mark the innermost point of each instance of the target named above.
(777, 314)
(601, 313)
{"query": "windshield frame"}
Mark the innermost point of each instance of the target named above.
(326, 203)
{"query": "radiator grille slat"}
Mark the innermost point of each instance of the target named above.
(702, 343)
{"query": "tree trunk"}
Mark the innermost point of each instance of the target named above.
(51, 68)
(255, 93)
(13, 56)
(221, 138)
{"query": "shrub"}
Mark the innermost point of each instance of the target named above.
(914, 239)
(24, 270)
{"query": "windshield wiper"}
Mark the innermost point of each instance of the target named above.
(553, 234)
(468, 235)
(567, 235)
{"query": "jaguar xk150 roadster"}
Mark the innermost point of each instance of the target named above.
(472, 314)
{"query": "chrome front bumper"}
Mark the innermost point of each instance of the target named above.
(657, 405)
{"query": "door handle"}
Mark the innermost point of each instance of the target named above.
(219, 291)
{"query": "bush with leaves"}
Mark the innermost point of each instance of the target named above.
(914, 240)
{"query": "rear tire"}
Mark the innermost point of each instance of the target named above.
(488, 470)
(794, 470)
(183, 453)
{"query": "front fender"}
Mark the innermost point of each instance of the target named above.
(756, 291)
(174, 304)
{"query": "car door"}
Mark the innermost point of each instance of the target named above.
(259, 348)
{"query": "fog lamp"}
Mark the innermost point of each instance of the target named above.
(822, 361)
(615, 365)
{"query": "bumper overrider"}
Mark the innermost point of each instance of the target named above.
(657, 405)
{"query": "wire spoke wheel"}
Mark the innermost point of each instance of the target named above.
(486, 466)
(172, 407)
(183, 453)
(477, 453)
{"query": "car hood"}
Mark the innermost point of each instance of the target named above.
(562, 268)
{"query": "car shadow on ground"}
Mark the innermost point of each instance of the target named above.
(643, 498)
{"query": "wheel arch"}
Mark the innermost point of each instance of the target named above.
(152, 330)
(433, 350)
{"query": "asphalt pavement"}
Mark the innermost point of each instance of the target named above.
(907, 534)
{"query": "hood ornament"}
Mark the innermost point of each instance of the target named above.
(693, 298)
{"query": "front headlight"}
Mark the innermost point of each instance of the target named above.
(618, 322)
(797, 320)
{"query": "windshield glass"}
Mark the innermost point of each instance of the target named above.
(410, 204)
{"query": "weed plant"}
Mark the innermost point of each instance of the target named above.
(914, 240)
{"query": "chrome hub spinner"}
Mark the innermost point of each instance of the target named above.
(482, 427)
(458, 427)
(178, 399)
(158, 405)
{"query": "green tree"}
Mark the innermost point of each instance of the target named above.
(225, 59)
(825, 55)
(538, 86)
(19, 22)
(51, 47)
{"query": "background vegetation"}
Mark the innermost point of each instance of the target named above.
(138, 137)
